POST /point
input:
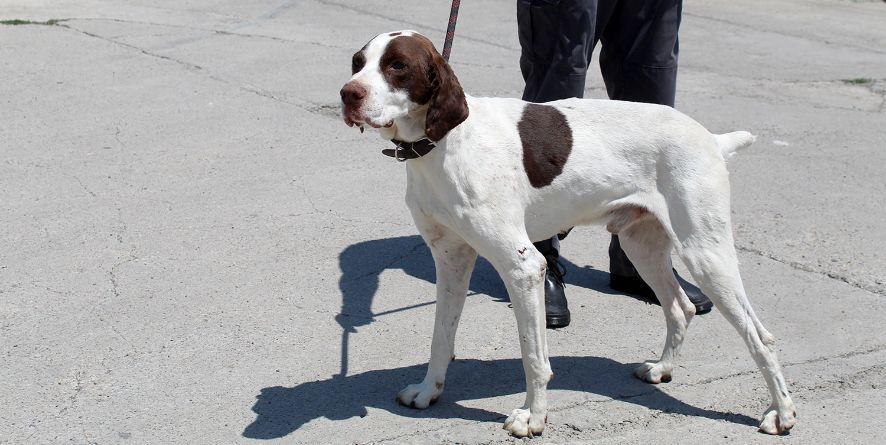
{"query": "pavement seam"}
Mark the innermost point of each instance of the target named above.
(55, 22)
(804, 268)
(199, 69)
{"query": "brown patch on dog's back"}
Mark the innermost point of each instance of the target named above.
(547, 142)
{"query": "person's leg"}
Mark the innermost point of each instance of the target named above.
(557, 39)
(638, 61)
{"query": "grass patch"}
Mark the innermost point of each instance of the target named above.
(16, 22)
(858, 81)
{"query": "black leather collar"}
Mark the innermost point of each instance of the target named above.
(404, 151)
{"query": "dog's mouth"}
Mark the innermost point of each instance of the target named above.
(352, 119)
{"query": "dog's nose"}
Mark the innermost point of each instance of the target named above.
(352, 93)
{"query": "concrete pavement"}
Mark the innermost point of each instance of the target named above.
(195, 249)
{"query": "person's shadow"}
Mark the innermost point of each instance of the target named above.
(281, 410)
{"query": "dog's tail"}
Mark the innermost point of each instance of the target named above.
(730, 143)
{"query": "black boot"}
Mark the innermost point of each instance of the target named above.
(556, 308)
(623, 277)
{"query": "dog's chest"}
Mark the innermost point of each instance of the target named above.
(451, 189)
(433, 194)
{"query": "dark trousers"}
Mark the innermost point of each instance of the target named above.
(639, 43)
(638, 58)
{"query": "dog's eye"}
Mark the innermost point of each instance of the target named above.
(357, 63)
(398, 65)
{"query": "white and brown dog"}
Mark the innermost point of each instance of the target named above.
(503, 173)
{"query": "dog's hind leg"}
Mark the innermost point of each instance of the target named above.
(648, 246)
(714, 265)
(454, 260)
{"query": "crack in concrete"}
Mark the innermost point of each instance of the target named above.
(852, 381)
(267, 15)
(188, 65)
(117, 137)
(781, 33)
(371, 13)
(115, 290)
(19, 22)
(72, 400)
(804, 268)
(209, 30)
(195, 68)
(213, 30)
(84, 187)
(112, 274)
(785, 365)
(119, 334)
(119, 234)
(870, 86)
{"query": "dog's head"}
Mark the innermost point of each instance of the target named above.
(402, 85)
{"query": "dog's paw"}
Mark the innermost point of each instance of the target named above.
(420, 395)
(523, 423)
(654, 372)
(778, 422)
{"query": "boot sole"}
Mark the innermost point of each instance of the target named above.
(557, 321)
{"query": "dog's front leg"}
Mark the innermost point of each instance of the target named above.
(454, 260)
(522, 268)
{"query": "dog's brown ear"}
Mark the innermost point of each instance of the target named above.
(447, 107)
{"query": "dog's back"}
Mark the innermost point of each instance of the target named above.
(573, 161)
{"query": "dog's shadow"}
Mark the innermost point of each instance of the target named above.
(362, 263)
(281, 410)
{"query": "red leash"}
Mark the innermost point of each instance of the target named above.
(450, 30)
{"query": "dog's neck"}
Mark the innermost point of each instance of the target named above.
(409, 128)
